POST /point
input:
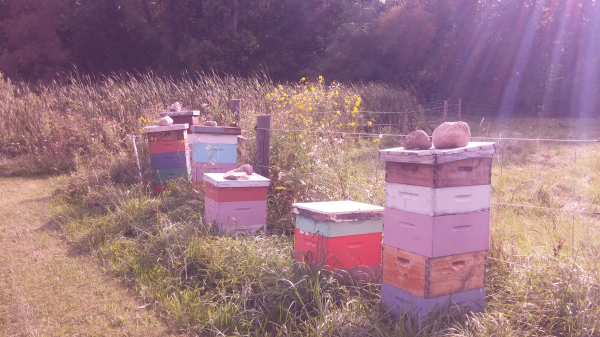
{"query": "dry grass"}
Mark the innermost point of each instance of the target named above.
(48, 288)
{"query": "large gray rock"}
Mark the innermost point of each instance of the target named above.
(451, 135)
(416, 140)
(210, 123)
(165, 121)
(241, 173)
(175, 107)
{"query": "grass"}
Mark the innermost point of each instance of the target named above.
(542, 276)
(48, 289)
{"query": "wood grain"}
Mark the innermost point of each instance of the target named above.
(190, 120)
(230, 194)
(216, 129)
(433, 277)
(180, 113)
(167, 136)
(465, 172)
(262, 156)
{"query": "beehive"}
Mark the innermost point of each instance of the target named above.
(214, 150)
(189, 117)
(436, 227)
(236, 206)
(169, 153)
(340, 235)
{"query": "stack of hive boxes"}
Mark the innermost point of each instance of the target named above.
(215, 150)
(169, 155)
(342, 235)
(436, 228)
(236, 206)
(189, 117)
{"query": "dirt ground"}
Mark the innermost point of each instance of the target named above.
(47, 288)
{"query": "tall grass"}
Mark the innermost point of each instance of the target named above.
(81, 115)
(542, 278)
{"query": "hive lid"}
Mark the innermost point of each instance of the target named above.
(180, 113)
(438, 156)
(216, 179)
(338, 211)
(228, 130)
(174, 127)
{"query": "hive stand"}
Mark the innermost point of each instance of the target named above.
(236, 206)
(169, 155)
(436, 225)
(214, 150)
(342, 235)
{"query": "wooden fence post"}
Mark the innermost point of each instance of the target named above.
(263, 145)
(459, 107)
(445, 111)
(405, 123)
(235, 107)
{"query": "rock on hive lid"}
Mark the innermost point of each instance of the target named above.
(228, 130)
(438, 156)
(180, 113)
(338, 211)
(174, 127)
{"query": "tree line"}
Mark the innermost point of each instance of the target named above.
(532, 55)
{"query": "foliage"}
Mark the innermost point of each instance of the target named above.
(537, 56)
(58, 122)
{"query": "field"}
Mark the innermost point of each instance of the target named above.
(543, 266)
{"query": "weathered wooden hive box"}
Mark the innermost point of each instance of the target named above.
(436, 225)
(236, 206)
(190, 117)
(169, 153)
(339, 234)
(214, 150)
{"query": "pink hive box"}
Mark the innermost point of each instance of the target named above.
(435, 236)
(236, 206)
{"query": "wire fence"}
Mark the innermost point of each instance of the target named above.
(468, 108)
(583, 212)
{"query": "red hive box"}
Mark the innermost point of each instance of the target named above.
(342, 252)
(341, 235)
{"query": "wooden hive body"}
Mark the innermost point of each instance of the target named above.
(433, 277)
(341, 235)
(341, 252)
(236, 206)
(435, 236)
(437, 201)
(398, 300)
(214, 150)
(169, 146)
(465, 172)
(190, 117)
(169, 154)
(436, 228)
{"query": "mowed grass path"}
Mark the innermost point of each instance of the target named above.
(46, 287)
